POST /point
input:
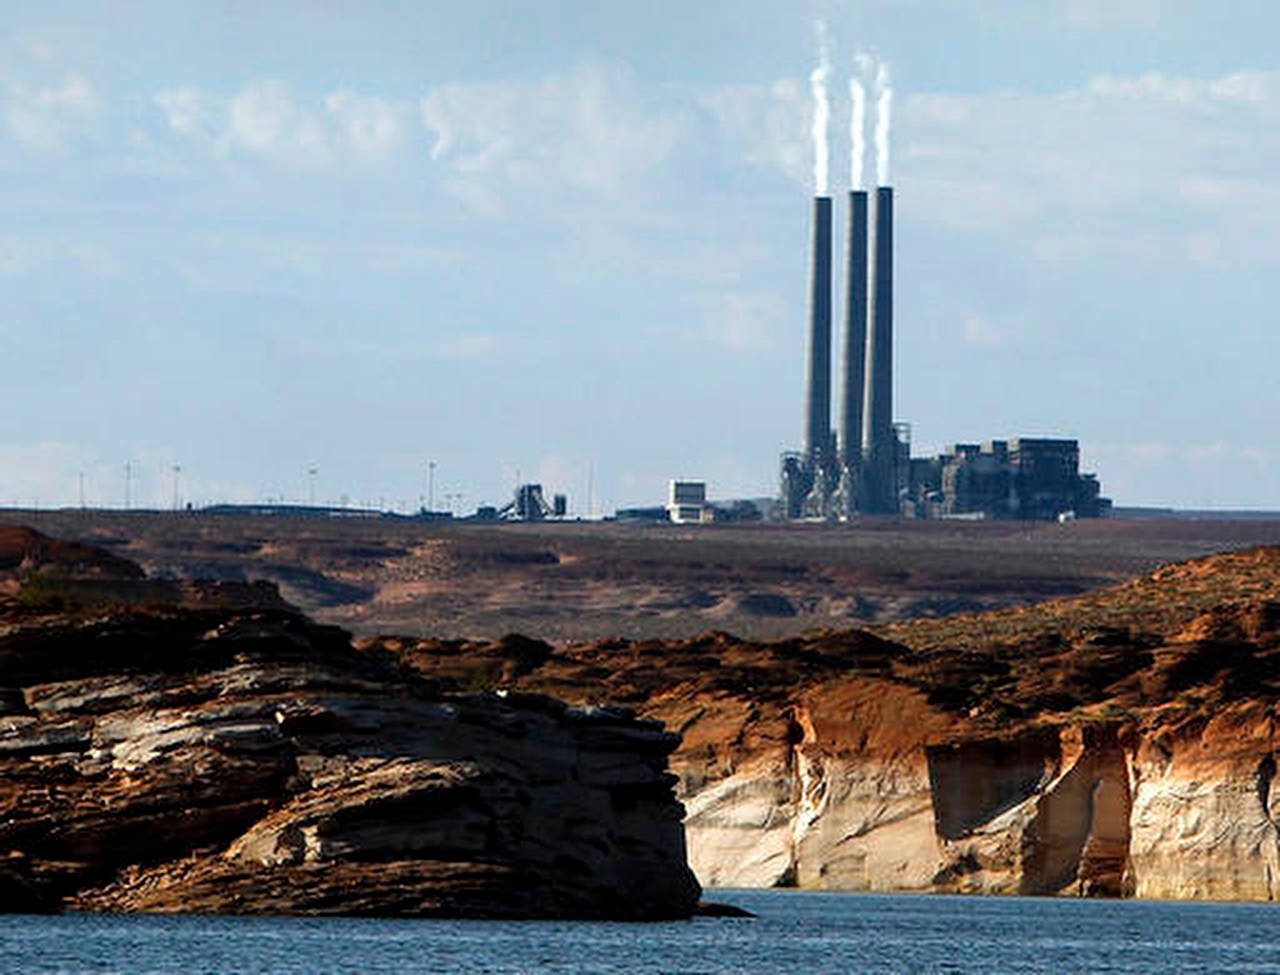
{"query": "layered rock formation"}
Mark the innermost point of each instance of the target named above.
(1121, 743)
(254, 762)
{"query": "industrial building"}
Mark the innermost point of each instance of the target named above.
(866, 467)
(1029, 478)
(528, 504)
(687, 502)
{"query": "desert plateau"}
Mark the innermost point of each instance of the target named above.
(577, 581)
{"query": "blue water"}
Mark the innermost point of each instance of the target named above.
(796, 932)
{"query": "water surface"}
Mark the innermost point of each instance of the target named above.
(800, 932)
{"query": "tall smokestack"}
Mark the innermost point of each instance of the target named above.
(818, 381)
(879, 442)
(855, 336)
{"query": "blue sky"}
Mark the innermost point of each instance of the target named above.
(566, 242)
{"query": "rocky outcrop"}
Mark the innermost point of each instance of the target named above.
(842, 800)
(1204, 813)
(1059, 822)
(24, 551)
(41, 575)
(1118, 744)
(239, 762)
(1121, 743)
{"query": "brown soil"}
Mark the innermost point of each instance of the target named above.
(589, 581)
(1163, 647)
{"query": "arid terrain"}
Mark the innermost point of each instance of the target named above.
(589, 581)
(1118, 743)
(1121, 741)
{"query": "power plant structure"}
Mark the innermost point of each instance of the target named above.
(529, 504)
(866, 468)
(854, 471)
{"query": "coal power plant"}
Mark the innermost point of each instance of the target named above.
(866, 468)
(854, 471)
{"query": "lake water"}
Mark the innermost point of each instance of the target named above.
(799, 932)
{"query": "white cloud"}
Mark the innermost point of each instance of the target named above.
(1147, 167)
(191, 113)
(75, 94)
(1246, 86)
(1260, 456)
(1151, 167)
(264, 118)
(594, 131)
(767, 124)
(1241, 87)
(47, 119)
(372, 126)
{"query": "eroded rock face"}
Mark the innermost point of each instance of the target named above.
(1119, 744)
(841, 799)
(257, 763)
(1116, 744)
(1204, 807)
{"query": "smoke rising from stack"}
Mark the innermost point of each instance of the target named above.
(853, 472)
(857, 123)
(884, 101)
(821, 115)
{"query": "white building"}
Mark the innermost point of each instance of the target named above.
(687, 502)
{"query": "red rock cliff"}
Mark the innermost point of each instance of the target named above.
(1120, 743)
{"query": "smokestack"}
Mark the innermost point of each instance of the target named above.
(818, 381)
(879, 446)
(855, 336)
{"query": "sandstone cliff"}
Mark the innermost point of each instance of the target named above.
(219, 760)
(1115, 744)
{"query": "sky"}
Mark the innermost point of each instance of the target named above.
(363, 253)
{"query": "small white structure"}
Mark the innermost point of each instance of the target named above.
(687, 502)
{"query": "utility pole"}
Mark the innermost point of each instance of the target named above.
(311, 487)
(431, 486)
(177, 469)
(82, 490)
(128, 485)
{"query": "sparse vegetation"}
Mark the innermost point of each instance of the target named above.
(589, 581)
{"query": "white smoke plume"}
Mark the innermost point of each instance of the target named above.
(884, 99)
(862, 64)
(857, 125)
(821, 115)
